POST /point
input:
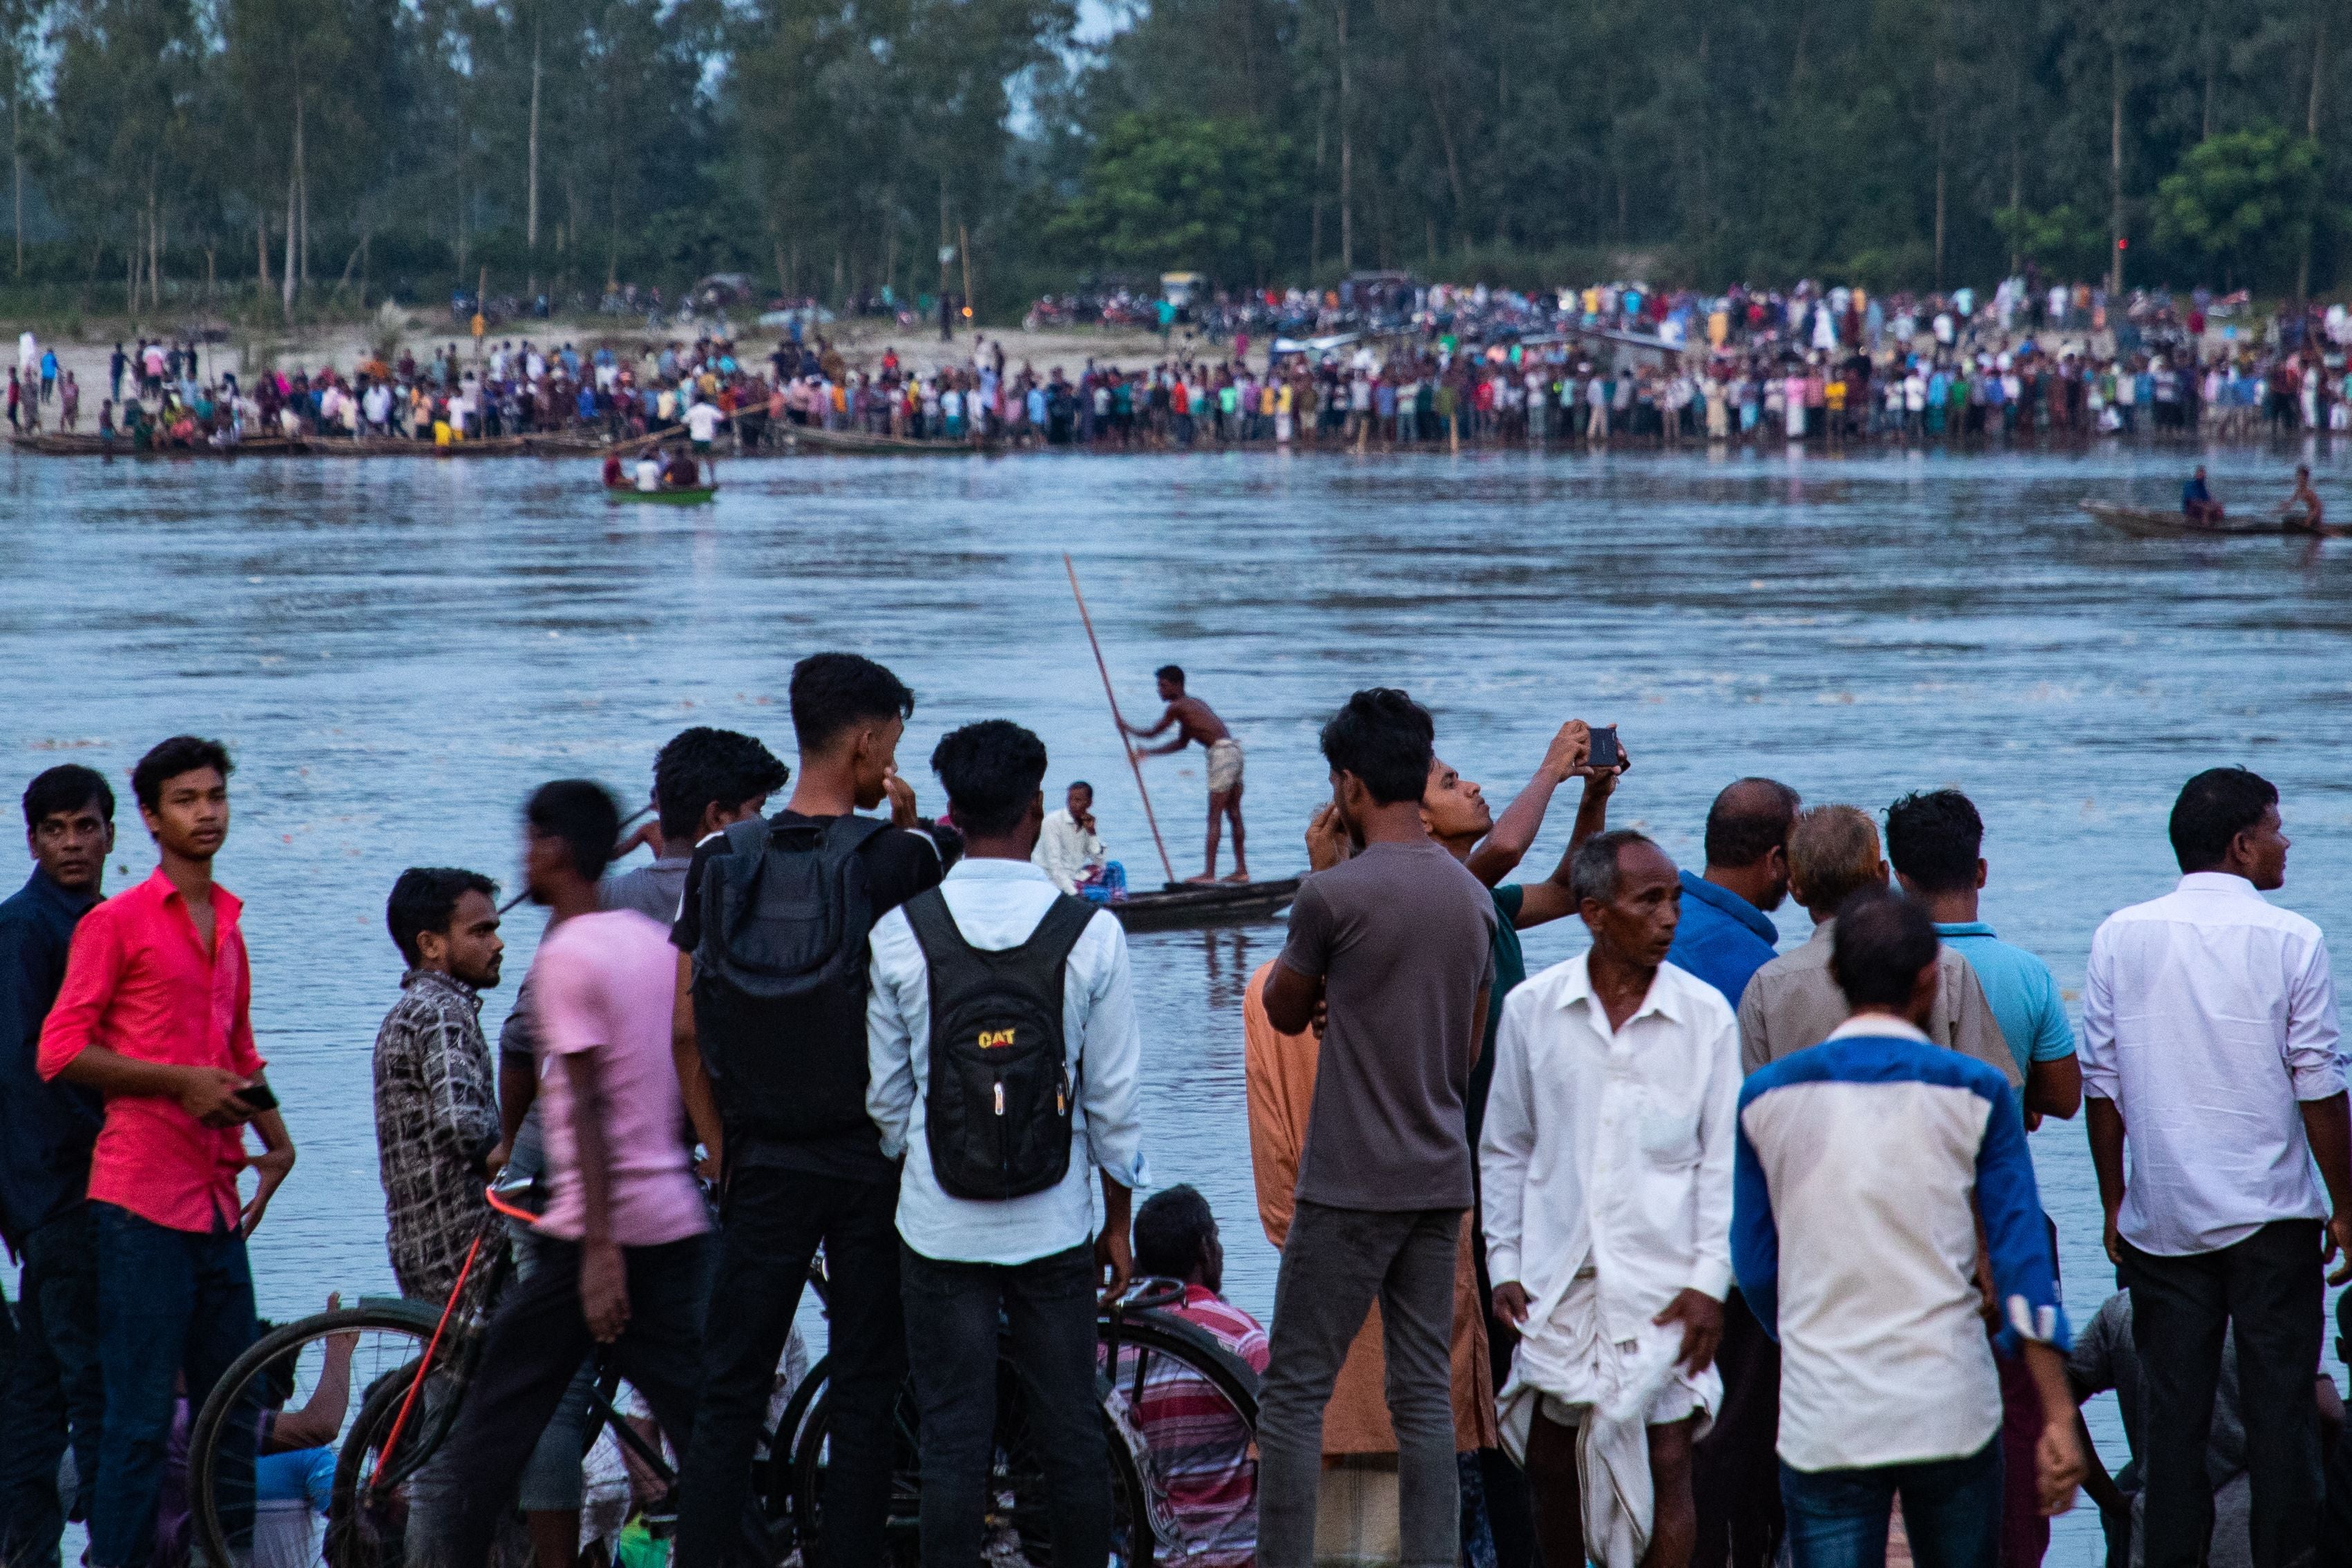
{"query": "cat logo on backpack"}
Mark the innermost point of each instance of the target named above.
(997, 1106)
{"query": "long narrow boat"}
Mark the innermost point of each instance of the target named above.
(817, 438)
(694, 496)
(2149, 522)
(1182, 904)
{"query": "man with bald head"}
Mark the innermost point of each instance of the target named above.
(1725, 936)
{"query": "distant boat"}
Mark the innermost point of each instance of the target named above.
(1182, 904)
(2149, 522)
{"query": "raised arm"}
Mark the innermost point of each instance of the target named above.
(1552, 899)
(1166, 718)
(1513, 833)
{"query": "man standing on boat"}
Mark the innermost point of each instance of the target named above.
(1194, 721)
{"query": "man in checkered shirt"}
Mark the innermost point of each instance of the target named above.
(436, 1103)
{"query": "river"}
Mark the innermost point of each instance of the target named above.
(398, 651)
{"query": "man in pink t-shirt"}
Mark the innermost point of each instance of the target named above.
(621, 1260)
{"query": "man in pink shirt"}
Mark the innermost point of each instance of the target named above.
(621, 1262)
(152, 1015)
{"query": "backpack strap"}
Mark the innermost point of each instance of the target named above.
(1066, 920)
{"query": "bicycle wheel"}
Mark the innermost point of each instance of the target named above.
(1185, 1408)
(259, 1446)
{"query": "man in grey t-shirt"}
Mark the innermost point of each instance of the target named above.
(1396, 943)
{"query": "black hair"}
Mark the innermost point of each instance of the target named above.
(1593, 870)
(424, 898)
(1933, 838)
(1387, 740)
(1171, 673)
(170, 759)
(579, 811)
(1080, 783)
(703, 767)
(1881, 942)
(2214, 807)
(992, 769)
(67, 787)
(1171, 1233)
(836, 691)
(1750, 819)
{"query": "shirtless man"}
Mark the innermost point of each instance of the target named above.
(1194, 721)
(2306, 501)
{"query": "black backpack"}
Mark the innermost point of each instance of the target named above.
(779, 977)
(997, 1104)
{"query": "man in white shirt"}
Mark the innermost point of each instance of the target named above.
(1068, 847)
(2209, 1032)
(1025, 1249)
(1606, 1170)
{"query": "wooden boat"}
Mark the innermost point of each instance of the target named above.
(694, 496)
(1182, 904)
(2148, 522)
(817, 438)
(59, 444)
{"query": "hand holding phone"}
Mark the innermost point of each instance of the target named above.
(1604, 753)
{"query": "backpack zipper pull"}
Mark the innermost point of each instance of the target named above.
(1000, 1096)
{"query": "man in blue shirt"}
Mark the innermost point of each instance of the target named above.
(46, 1130)
(1933, 840)
(1724, 937)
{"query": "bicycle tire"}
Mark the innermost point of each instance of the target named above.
(364, 1528)
(209, 1479)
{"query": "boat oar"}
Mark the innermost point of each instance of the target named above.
(1133, 766)
(519, 898)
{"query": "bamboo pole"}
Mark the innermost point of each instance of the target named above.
(1133, 766)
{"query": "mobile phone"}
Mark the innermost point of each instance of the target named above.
(256, 1098)
(1603, 752)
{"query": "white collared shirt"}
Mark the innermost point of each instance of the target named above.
(1065, 849)
(1611, 1146)
(2208, 1015)
(996, 905)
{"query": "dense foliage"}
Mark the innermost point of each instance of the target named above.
(329, 150)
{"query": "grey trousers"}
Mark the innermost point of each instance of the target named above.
(1334, 1264)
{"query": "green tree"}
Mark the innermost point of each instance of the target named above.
(1163, 190)
(2241, 198)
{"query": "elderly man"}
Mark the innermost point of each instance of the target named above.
(1606, 1166)
(1792, 1004)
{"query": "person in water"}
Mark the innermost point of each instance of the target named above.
(2197, 502)
(2306, 501)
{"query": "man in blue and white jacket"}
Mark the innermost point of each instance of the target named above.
(1870, 1171)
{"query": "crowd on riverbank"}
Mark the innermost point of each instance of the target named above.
(1643, 1294)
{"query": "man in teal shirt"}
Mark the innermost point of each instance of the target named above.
(1933, 840)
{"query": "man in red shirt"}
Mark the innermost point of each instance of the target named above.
(153, 1016)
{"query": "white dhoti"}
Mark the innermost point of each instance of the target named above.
(1611, 1392)
(1224, 766)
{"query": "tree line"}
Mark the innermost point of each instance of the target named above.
(316, 154)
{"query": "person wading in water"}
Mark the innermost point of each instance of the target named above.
(1193, 719)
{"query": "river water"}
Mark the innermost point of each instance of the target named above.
(398, 651)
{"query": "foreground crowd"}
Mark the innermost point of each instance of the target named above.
(1754, 1246)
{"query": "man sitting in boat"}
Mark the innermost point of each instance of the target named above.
(649, 471)
(2197, 502)
(683, 473)
(616, 476)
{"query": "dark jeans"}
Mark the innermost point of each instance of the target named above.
(2269, 1286)
(171, 1304)
(532, 1348)
(1046, 1309)
(1951, 1512)
(1735, 1474)
(770, 1225)
(1334, 1263)
(55, 1390)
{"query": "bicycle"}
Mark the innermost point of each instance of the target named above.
(411, 1366)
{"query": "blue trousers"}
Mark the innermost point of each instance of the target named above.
(1951, 1512)
(54, 1392)
(171, 1304)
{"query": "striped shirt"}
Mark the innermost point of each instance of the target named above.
(1200, 1446)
